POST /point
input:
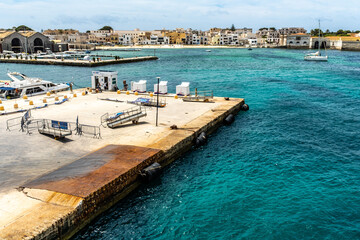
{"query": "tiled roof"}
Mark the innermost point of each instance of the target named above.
(27, 34)
(5, 34)
(300, 34)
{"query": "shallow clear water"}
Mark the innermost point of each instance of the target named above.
(286, 169)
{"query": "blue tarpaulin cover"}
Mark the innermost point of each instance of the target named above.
(142, 100)
(7, 88)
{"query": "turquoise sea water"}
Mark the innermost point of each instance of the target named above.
(287, 169)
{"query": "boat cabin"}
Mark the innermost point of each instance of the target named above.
(104, 80)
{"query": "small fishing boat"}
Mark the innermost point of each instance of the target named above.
(208, 50)
(21, 85)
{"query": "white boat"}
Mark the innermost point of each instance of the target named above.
(208, 50)
(21, 85)
(317, 55)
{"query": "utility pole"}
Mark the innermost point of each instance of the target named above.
(25, 42)
(157, 101)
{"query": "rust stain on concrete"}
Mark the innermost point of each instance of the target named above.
(92, 172)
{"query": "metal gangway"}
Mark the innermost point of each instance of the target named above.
(148, 102)
(129, 115)
(200, 96)
(54, 128)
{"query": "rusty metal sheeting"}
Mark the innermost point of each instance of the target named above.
(92, 172)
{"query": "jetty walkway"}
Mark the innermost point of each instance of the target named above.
(78, 63)
(51, 188)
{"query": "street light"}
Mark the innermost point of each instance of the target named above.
(157, 101)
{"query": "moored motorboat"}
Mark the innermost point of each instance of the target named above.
(21, 85)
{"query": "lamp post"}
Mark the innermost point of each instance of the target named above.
(157, 101)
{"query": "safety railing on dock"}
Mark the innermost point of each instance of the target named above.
(200, 96)
(13, 122)
(18, 121)
(83, 129)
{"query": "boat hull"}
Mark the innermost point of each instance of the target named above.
(316, 58)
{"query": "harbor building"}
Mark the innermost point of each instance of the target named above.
(315, 41)
(299, 40)
(30, 42)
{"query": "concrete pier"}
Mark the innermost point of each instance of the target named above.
(71, 181)
(77, 63)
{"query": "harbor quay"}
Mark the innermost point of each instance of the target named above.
(56, 179)
(78, 63)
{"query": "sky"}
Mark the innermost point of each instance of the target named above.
(196, 14)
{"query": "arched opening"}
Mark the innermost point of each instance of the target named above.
(38, 45)
(322, 44)
(38, 42)
(316, 45)
(16, 45)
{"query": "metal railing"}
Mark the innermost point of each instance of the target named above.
(19, 121)
(203, 96)
(83, 129)
(13, 122)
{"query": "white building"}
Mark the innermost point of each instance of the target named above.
(126, 39)
(252, 41)
(299, 40)
(158, 40)
(228, 39)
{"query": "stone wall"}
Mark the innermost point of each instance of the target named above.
(350, 46)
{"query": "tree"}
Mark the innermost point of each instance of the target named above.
(232, 28)
(340, 32)
(315, 32)
(108, 28)
(23, 28)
